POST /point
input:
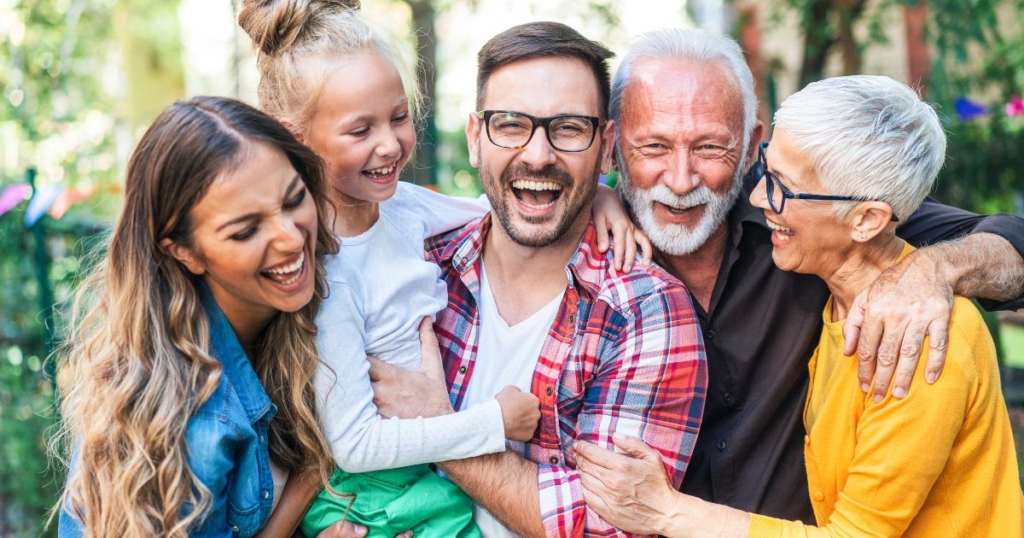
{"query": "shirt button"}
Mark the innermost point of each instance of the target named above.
(710, 335)
(720, 445)
(234, 530)
(572, 318)
(462, 369)
(266, 494)
(554, 460)
(819, 496)
(727, 397)
(261, 438)
(549, 391)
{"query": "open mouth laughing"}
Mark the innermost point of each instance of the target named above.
(382, 172)
(288, 273)
(781, 232)
(536, 194)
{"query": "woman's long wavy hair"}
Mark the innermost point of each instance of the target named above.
(136, 364)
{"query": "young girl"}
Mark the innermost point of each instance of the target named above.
(189, 370)
(338, 85)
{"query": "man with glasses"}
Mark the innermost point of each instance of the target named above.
(532, 303)
(685, 110)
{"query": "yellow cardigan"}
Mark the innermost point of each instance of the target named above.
(939, 463)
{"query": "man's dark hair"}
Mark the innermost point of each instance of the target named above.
(543, 40)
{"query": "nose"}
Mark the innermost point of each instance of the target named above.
(538, 153)
(759, 196)
(388, 147)
(288, 234)
(681, 176)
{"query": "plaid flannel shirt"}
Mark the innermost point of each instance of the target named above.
(624, 354)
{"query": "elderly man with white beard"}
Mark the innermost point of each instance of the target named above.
(685, 113)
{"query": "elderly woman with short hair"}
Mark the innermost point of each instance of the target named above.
(849, 156)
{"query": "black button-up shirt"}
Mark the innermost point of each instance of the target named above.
(760, 331)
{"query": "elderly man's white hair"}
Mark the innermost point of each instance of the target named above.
(867, 136)
(688, 46)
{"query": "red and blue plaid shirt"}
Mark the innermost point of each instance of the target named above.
(624, 354)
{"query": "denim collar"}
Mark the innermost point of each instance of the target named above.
(224, 346)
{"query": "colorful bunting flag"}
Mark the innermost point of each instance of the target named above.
(43, 200)
(1015, 107)
(68, 198)
(969, 110)
(14, 195)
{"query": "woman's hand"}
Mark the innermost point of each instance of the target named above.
(610, 217)
(631, 490)
(520, 411)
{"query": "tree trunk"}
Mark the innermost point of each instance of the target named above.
(818, 40)
(424, 165)
(849, 12)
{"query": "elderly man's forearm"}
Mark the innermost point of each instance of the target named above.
(982, 265)
(505, 484)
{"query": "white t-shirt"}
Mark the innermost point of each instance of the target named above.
(380, 287)
(507, 355)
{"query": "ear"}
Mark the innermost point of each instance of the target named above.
(755, 140)
(607, 146)
(473, 140)
(869, 219)
(184, 255)
(300, 136)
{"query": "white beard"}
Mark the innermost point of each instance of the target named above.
(678, 239)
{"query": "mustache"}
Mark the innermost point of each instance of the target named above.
(549, 173)
(699, 196)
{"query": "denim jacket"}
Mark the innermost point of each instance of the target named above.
(227, 442)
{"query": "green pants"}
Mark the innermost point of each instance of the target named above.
(392, 501)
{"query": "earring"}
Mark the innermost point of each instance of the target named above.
(861, 237)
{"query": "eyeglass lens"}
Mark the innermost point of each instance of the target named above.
(565, 133)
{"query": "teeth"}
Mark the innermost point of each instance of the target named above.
(527, 185)
(290, 268)
(781, 232)
(380, 172)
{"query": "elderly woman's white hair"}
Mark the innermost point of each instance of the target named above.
(688, 46)
(867, 136)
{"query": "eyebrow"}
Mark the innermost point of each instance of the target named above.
(254, 216)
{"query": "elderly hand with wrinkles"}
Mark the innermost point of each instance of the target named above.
(889, 321)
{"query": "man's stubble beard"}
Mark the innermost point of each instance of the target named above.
(576, 196)
(678, 239)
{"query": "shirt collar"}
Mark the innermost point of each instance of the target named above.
(224, 346)
(744, 212)
(586, 267)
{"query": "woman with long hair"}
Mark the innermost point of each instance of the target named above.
(186, 380)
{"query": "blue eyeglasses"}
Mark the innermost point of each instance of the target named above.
(778, 193)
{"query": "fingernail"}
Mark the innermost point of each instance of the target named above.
(864, 388)
(878, 398)
(899, 392)
(359, 529)
(930, 377)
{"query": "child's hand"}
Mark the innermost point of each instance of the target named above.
(610, 216)
(520, 412)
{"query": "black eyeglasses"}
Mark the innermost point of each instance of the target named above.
(514, 130)
(777, 196)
